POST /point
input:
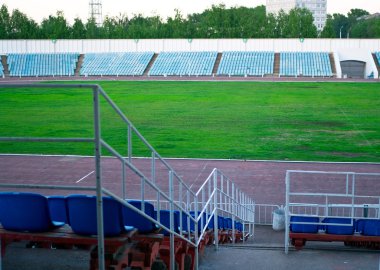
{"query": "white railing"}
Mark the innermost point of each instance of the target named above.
(330, 195)
(218, 193)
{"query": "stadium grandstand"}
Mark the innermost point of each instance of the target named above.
(184, 63)
(271, 57)
(246, 63)
(310, 64)
(108, 64)
(42, 64)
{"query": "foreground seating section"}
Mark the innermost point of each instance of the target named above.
(115, 64)
(358, 233)
(83, 218)
(184, 63)
(42, 64)
(313, 64)
(246, 63)
(25, 212)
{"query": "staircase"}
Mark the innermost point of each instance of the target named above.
(79, 65)
(276, 70)
(146, 71)
(217, 62)
(5, 65)
(376, 62)
(332, 63)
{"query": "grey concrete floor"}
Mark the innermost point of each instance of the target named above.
(265, 251)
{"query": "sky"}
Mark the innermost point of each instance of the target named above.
(40, 9)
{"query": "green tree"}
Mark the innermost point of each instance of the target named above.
(78, 31)
(328, 30)
(5, 22)
(55, 27)
(21, 27)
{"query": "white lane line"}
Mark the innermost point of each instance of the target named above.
(84, 177)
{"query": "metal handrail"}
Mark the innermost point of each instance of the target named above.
(236, 203)
(324, 207)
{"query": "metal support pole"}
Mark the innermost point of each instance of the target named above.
(233, 213)
(171, 191)
(196, 234)
(130, 143)
(153, 167)
(287, 183)
(99, 197)
(216, 210)
(124, 179)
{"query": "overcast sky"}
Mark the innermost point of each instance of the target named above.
(39, 9)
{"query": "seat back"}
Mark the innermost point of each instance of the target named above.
(82, 215)
(133, 219)
(304, 228)
(24, 212)
(336, 229)
(165, 220)
(58, 209)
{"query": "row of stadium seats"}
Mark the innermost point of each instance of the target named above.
(246, 63)
(52, 221)
(314, 64)
(184, 63)
(36, 213)
(57, 64)
(170, 64)
(127, 64)
(368, 227)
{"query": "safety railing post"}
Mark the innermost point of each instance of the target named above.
(196, 233)
(99, 193)
(124, 179)
(216, 210)
(171, 191)
(153, 173)
(233, 213)
(129, 138)
(287, 219)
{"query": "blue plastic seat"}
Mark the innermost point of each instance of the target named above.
(25, 212)
(165, 220)
(336, 229)
(368, 227)
(135, 220)
(83, 217)
(304, 228)
(58, 209)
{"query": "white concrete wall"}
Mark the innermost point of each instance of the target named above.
(338, 68)
(161, 45)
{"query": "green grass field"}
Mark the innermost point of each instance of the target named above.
(232, 120)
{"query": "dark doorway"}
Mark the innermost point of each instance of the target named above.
(353, 69)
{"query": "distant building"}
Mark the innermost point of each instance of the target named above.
(317, 7)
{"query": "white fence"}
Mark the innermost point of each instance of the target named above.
(168, 45)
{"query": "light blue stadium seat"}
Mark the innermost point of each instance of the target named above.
(115, 64)
(246, 63)
(184, 64)
(310, 64)
(42, 64)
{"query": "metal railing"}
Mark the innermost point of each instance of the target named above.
(218, 193)
(330, 195)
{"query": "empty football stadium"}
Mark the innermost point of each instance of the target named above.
(189, 153)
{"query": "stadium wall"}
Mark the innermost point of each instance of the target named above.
(166, 45)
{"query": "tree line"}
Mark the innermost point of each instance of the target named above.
(215, 22)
